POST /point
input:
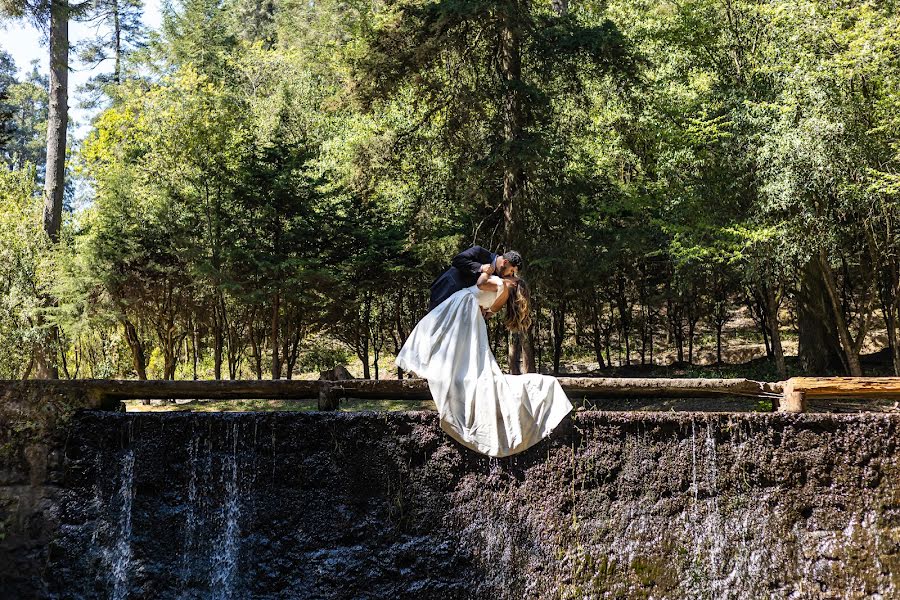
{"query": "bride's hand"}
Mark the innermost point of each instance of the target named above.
(510, 282)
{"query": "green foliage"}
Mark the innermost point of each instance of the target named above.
(23, 278)
(270, 173)
(23, 120)
(321, 355)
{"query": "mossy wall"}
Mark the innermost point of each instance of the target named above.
(316, 505)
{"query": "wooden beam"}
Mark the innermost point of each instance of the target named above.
(845, 387)
(790, 396)
(626, 387)
(792, 400)
(596, 387)
(110, 389)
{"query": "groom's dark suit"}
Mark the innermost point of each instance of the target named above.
(464, 272)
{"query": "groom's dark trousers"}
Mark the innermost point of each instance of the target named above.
(464, 271)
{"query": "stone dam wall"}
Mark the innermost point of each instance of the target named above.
(366, 505)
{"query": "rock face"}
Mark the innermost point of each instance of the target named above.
(340, 505)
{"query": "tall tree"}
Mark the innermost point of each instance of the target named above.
(119, 31)
(7, 109)
(198, 32)
(27, 125)
(51, 16)
(490, 66)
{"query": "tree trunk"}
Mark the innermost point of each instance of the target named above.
(257, 352)
(818, 351)
(528, 352)
(274, 333)
(218, 335)
(772, 304)
(45, 363)
(850, 353)
(510, 73)
(692, 325)
(514, 355)
(57, 118)
(676, 330)
(719, 325)
(892, 336)
(889, 293)
(117, 35)
(137, 349)
(558, 314)
(624, 317)
(597, 338)
(401, 330)
(364, 349)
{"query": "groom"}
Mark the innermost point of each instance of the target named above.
(467, 266)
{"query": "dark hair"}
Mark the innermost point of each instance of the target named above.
(514, 258)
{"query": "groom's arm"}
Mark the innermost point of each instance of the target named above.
(471, 260)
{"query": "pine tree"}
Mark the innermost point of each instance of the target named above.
(52, 16)
(120, 31)
(499, 61)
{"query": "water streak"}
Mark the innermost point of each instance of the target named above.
(122, 550)
(226, 552)
(190, 526)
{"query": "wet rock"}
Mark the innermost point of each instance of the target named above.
(338, 505)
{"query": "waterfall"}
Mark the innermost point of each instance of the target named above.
(225, 555)
(694, 462)
(665, 506)
(714, 535)
(121, 551)
(709, 538)
(190, 525)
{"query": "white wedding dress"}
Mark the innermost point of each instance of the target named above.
(479, 406)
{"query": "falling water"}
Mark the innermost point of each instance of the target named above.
(122, 549)
(694, 461)
(226, 553)
(677, 506)
(191, 513)
(713, 534)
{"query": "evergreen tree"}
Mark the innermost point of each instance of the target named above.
(120, 31)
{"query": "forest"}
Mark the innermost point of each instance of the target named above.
(269, 187)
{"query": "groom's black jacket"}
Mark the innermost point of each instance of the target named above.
(464, 272)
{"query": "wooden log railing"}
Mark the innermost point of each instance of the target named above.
(787, 396)
(796, 391)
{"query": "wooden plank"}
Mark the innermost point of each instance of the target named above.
(108, 389)
(792, 395)
(595, 387)
(626, 387)
(845, 387)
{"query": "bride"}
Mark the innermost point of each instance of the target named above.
(479, 406)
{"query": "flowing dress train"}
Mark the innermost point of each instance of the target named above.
(479, 406)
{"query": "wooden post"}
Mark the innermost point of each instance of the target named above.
(792, 399)
(329, 399)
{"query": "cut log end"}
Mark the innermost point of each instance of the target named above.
(792, 400)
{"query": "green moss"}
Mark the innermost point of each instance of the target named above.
(35, 412)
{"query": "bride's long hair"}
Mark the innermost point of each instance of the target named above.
(518, 308)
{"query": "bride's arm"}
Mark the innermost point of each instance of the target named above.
(501, 299)
(485, 283)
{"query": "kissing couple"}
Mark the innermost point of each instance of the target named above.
(479, 406)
